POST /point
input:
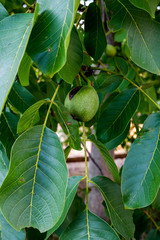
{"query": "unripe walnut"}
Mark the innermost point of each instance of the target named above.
(82, 103)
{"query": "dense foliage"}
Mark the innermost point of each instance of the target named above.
(47, 49)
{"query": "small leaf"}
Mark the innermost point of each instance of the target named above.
(74, 58)
(143, 45)
(51, 34)
(116, 116)
(30, 116)
(140, 183)
(95, 229)
(70, 194)
(69, 125)
(8, 130)
(107, 157)
(94, 38)
(121, 218)
(147, 5)
(3, 12)
(8, 232)
(33, 193)
(24, 69)
(12, 47)
(20, 98)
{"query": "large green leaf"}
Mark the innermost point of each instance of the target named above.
(20, 98)
(69, 125)
(3, 12)
(107, 157)
(74, 58)
(121, 218)
(143, 33)
(12, 47)
(7, 232)
(94, 39)
(70, 194)
(147, 5)
(8, 130)
(24, 69)
(140, 183)
(30, 116)
(33, 193)
(116, 116)
(50, 36)
(95, 229)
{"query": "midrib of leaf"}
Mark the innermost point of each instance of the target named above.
(35, 173)
(39, 150)
(152, 159)
(17, 54)
(122, 110)
(109, 204)
(61, 35)
(139, 32)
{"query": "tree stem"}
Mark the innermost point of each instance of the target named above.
(86, 176)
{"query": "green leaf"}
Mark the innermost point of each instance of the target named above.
(7, 232)
(30, 116)
(70, 194)
(3, 12)
(33, 193)
(107, 83)
(116, 116)
(143, 33)
(107, 157)
(118, 140)
(51, 34)
(94, 38)
(156, 203)
(140, 187)
(8, 130)
(24, 69)
(95, 229)
(121, 218)
(4, 164)
(69, 125)
(20, 98)
(147, 5)
(12, 47)
(74, 58)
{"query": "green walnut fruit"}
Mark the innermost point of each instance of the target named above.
(82, 103)
(111, 50)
